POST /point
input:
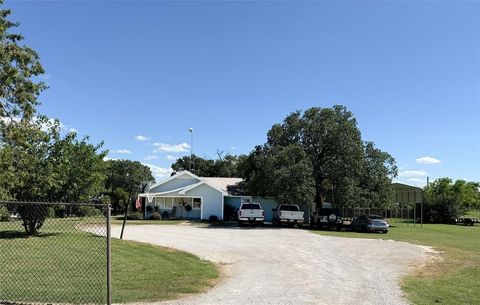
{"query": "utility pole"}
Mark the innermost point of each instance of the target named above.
(191, 148)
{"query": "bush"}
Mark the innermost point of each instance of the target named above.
(51, 212)
(59, 211)
(4, 214)
(213, 218)
(155, 216)
(149, 209)
(156, 209)
(33, 216)
(135, 216)
(87, 211)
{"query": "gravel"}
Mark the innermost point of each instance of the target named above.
(289, 266)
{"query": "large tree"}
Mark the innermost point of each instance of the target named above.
(446, 200)
(285, 173)
(224, 166)
(19, 65)
(346, 170)
(37, 163)
(124, 180)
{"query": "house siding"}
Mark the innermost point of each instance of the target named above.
(212, 200)
(174, 184)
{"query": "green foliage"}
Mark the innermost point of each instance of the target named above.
(19, 65)
(105, 199)
(51, 212)
(33, 216)
(285, 173)
(135, 216)
(127, 175)
(38, 164)
(345, 170)
(155, 216)
(223, 166)
(87, 211)
(119, 199)
(4, 213)
(446, 200)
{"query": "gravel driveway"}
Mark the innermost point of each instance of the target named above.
(289, 266)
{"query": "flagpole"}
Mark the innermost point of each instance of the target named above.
(191, 148)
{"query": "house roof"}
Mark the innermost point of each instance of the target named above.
(222, 183)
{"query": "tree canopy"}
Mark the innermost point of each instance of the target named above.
(346, 170)
(38, 164)
(446, 200)
(223, 166)
(19, 65)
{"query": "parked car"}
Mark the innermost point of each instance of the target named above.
(466, 221)
(250, 213)
(370, 223)
(288, 214)
(326, 217)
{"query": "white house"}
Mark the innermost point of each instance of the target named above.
(185, 195)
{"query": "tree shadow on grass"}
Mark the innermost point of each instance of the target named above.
(20, 234)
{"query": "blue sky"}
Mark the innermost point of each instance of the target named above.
(409, 71)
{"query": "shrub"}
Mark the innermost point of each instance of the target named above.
(188, 208)
(59, 211)
(87, 211)
(135, 216)
(213, 218)
(33, 216)
(155, 216)
(51, 212)
(4, 214)
(149, 209)
(156, 209)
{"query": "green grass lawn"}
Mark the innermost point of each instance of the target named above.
(69, 266)
(455, 279)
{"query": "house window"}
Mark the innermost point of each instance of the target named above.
(164, 202)
(246, 200)
(197, 203)
(168, 203)
(159, 201)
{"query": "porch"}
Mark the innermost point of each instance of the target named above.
(174, 207)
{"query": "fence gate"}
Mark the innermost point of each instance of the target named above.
(54, 253)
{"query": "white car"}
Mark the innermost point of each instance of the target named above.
(250, 213)
(288, 214)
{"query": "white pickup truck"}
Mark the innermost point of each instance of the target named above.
(250, 213)
(289, 214)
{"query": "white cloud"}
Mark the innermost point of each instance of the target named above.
(151, 157)
(170, 157)
(428, 160)
(44, 126)
(158, 172)
(182, 147)
(419, 182)
(141, 138)
(121, 151)
(108, 158)
(413, 174)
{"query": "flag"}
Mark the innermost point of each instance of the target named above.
(138, 203)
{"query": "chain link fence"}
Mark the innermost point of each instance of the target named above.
(54, 253)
